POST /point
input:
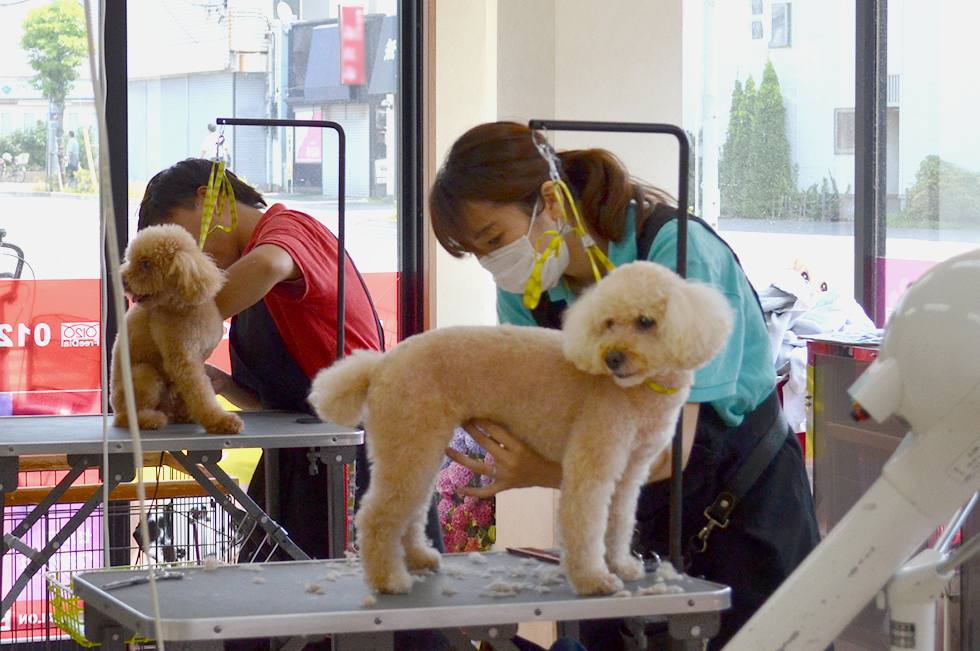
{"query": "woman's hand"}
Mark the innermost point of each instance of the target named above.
(226, 387)
(514, 464)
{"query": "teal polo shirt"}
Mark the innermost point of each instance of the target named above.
(739, 378)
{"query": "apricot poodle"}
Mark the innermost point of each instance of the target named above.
(602, 397)
(174, 325)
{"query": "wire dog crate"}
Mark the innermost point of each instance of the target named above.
(182, 530)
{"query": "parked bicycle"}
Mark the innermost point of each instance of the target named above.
(18, 255)
(13, 168)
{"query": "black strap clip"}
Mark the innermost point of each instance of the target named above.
(717, 515)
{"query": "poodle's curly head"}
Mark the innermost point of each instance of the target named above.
(163, 266)
(643, 319)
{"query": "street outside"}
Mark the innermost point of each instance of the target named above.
(59, 235)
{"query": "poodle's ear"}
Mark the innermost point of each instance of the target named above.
(696, 325)
(196, 276)
(581, 328)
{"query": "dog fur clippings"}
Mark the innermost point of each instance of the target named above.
(576, 397)
(174, 325)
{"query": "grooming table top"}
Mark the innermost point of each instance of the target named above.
(330, 597)
(23, 435)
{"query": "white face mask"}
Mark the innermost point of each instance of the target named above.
(511, 265)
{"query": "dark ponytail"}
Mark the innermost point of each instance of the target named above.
(499, 163)
(177, 186)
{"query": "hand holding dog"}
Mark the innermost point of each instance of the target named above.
(515, 465)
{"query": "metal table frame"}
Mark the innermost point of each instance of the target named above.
(307, 600)
(81, 438)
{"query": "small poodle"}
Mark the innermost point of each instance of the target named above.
(602, 397)
(173, 325)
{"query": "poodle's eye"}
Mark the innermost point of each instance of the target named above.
(805, 274)
(645, 322)
(823, 287)
(610, 324)
(145, 265)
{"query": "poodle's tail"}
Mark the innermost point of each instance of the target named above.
(339, 393)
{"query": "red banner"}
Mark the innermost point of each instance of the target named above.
(49, 347)
(352, 45)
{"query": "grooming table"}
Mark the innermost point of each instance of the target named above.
(486, 594)
(81, 437)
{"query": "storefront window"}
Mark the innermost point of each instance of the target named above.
(933, 165)
(286, 60)
(49, 229)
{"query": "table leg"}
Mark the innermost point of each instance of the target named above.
(9, 467)
(209, 459)
(272, 506)
(336, 459)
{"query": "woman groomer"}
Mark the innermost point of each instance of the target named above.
(501, 195)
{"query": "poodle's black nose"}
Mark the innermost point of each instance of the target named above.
(615, 359)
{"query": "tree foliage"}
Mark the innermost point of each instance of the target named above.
(33, 141)
(733, 169)
(756, 176)
(55, 41)
(942, 192)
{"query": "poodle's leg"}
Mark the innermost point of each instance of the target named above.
(622, 518)
(405, 459)
(148, 388)
(589, 475)
(191, 381)
(420, 555)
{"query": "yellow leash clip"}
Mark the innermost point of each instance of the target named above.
(219, 190)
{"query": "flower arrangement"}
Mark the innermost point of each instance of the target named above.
(468, 523)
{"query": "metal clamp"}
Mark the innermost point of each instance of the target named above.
(717, 515)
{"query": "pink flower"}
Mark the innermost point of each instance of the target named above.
(455, 540)
(483, 513)
(461, 518)
(470, 502)
(454, 475)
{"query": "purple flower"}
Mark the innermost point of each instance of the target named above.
(460, 441)
(444, 508)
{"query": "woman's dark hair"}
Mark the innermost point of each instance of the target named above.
(177, 186)
(499, 163)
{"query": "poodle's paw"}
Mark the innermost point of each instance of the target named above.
(595, 583)
(226, 424)
(151, 419)
(422, 559)
(120, 419)
(629, 568)
(398, 581)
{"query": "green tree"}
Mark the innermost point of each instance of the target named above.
(55, 41)
(32, 141)
(942, 192)
(772, 181)
(733, 168)
(756, 177)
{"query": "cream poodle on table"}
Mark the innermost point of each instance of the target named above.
(602, 397)
(174, 325)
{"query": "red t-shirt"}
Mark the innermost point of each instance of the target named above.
(305, 312)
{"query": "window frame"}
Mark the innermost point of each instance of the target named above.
(410, 192)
